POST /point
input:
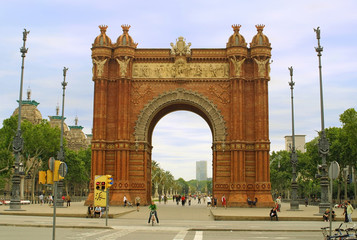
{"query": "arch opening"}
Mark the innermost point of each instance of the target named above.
(179, 99)
(180, 139)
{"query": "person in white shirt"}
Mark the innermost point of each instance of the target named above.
(208, 201)
(41, 198)
(125, 200)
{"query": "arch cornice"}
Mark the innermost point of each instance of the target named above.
(180, 96)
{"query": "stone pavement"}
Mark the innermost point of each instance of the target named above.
(190, 217)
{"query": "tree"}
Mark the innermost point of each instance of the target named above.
(79, 169)
(183, 186)
(349, 126)
(41, 142)
(280, 172)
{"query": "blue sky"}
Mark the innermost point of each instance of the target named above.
(61, 34)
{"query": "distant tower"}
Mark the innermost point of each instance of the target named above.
(201, 170)
(76, 139)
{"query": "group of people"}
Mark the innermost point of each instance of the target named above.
(50, 198)
(347, 212)
(127, 203)
(209, 199)
(95, 211)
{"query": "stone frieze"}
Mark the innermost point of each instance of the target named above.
(180, 69)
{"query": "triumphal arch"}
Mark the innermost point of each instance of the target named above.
(228, 87)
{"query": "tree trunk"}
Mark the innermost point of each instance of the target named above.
(156, 190)
(33, 182)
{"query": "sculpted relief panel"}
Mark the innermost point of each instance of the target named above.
(180, 69)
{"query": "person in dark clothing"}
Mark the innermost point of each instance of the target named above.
(90, 211)
(273, 214)
(326, 215)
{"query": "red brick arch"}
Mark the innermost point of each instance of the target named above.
(228, 87)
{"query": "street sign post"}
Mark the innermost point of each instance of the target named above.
(333, 172)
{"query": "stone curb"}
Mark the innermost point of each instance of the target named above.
(251, 230)
(50, 226)
(116, 215)
(260, 218)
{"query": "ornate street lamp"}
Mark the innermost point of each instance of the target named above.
(294, 204)
(323, 141)
(17, 146)
(60, 155)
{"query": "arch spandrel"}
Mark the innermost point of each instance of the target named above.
(181, 96)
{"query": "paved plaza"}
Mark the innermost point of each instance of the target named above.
(176, 222)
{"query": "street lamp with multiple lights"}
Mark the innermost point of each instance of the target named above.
(60, 155)
(294, 204)
(18, 143)
(323, 141)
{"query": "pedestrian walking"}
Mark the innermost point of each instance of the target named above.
(208, 201)
(41, 199)
(224, 201)
(345, 211)
(50, 200)
(137, 203)
(349, 211)
(215, 202)
(125, 200)
(68, 200)
(278, 204)
(183, 200)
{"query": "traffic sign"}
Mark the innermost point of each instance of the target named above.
(334, 170)
(63, 169)
(51, 163)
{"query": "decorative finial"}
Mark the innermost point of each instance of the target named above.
(260, 27)
(291, 71)
(236, 27)
(103, 28)
(317, 31)
(125, 27)
(29, 94)
(25, 34)
(291, 83)
(57, 110)
(76, 120)
(65, 71)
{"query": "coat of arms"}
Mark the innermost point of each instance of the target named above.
(180, 48)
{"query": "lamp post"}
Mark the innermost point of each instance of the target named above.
(60, 155)
(17, 145)
(323, 141)
(294, 203)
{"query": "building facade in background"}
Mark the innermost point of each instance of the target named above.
(299, 143)
(201, 170)
(74, 135)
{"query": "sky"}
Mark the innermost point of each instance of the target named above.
(62, 33)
